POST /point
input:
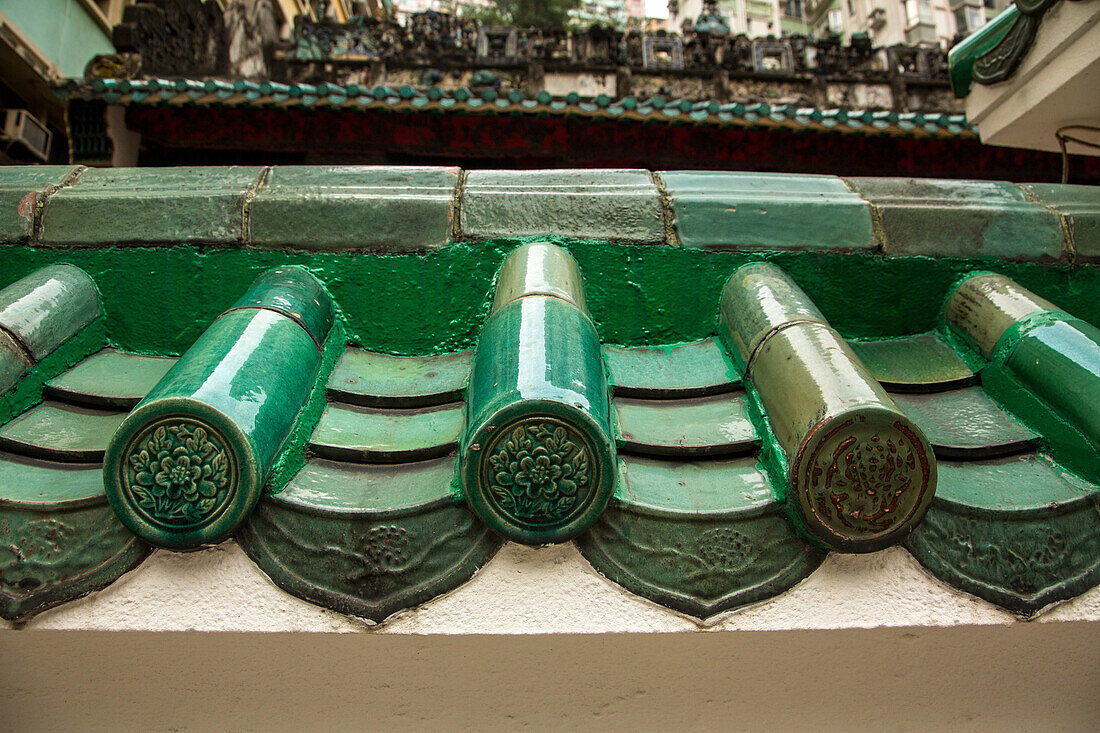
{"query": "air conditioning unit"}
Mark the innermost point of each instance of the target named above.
(21, 126)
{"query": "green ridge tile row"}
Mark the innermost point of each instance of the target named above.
(403, 209)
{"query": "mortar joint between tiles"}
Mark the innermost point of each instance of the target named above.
(1065, 223)
(668, 219)
(456, 205)
(877, 227)
(47, 193)
(246, 203)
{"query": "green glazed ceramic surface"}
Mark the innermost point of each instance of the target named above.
(967, 424)
(364, 434)
(371, 379)
(538, 458)
(701, 426)
(921, 363)
(188, 464)
(14, 361)
(983, 306)
(1081, 210)
(296, 294)
(110, 378)
(45, 308)
(539, 269)
(22, 190)
(61, 432)
(694, 369)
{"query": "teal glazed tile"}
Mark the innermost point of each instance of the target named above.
(961, 219)
(177, 205)
(371, 379)
(355, 207)
(337, 486)
(1022, 483)
(613, 205)
(21, 187)
(14, 361)
(693, 488)
(372, 435)
(720, 210)
(703, 426)
(687, 370)
(966, 423)
(45, 308)
(39, 484)
(1081, 207)
(921, 363)
(60, 432)
(110, 379)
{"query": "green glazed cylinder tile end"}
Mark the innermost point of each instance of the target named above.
(539, 269)
(985, 305)
(47, 307)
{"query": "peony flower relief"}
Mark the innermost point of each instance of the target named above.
(177, 474)
(537, 473)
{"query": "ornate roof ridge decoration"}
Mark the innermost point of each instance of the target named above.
(993, 53)
(705, 474)
(242, 93)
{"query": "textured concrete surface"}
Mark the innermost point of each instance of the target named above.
(527, 590)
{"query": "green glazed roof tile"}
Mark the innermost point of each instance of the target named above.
(711, 487)
(354, 207)
(961, 219)
(966, 423)
(22, 188)
(60, 432)
(616, 205)
(685, 370)
(344, 488)
(14, 361)
(109, 206)
(921, 363)
(721, 210)
(110, 379)
(711, 426)
(31, 483)
(367, 434)
(1025, 483)
(1080, 205)
(371, 379)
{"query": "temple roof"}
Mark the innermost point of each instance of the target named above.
(350, 368)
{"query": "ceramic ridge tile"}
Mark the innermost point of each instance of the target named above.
(22, 192)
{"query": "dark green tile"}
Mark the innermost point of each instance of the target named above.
(693, 488)
(961, 219)
(14, 361)
(364, 377)
(48, 306)
(32, 483)
(921, 363)
(1081, 206)
(20, 188)
(966, 423)
(110, 379)
(723, 210)
(355, 207)
(60, 432)
(613, 205)
(687, 370)
(367, 434)
(108, 206)
(1024, 483)
(710, 426)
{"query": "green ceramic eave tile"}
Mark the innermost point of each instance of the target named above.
(721, 210)
(961, 219)
(371, 379)
(368, 434)
(355, 207)
(30, 483)
(1080, 205)
(60, 432)
(961, 58)
(671, 488)
(921, 363)
(1018, 532)
(966, 424)
(110, 379)
(150, 206)
(699, 538)
(14, 361)
(687, 370)
(21, 189)
(47, 307)
(614, 205)
(339, 487)
(702, 426)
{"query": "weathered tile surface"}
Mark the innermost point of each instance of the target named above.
(20, 187)
(13, 361)
(55, 431)
(966, 423)
(961, 219)
(109, 206)
(720, 210)
(364, 377)
(355, 207)
(616, 205)
(687, 370)
(1081, 206)
(717, 425)
(921, 363)
(33, 482)
(367, 434)
(110, 378)
(719, 485)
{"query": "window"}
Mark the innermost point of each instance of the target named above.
(918, 11)
(792, 8)
(836, 21)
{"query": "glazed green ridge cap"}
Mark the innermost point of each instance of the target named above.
(659, 295)
(1006, 344)
(291, 458)
(961, 58)
(296, 293)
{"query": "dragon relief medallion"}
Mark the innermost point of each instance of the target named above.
(178, 473)
(862, 483)
(538, 472)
